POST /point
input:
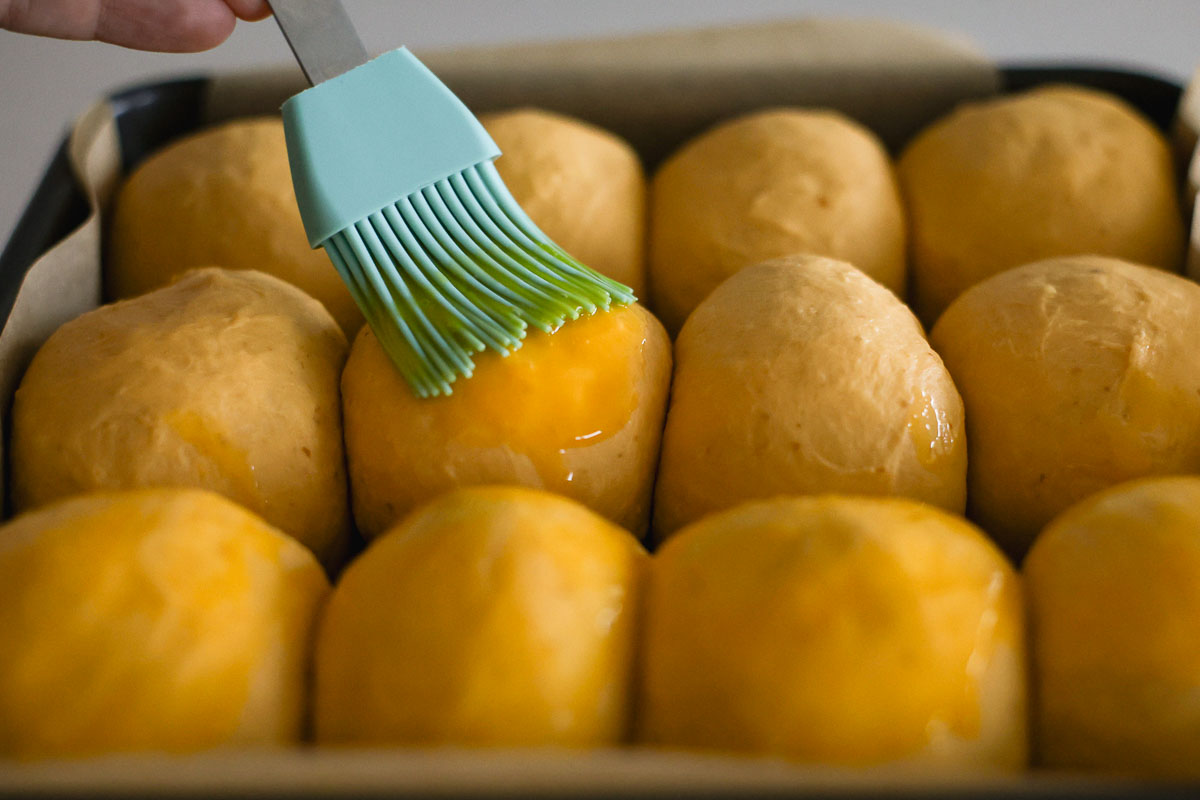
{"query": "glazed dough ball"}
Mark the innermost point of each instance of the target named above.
(221, 196)
(158, 619)
(801, 375)
(223, 380)
(771, 184)
(1076, 374)
(1058, 171)
(578, 413)
(491, 616)
(583, 186)
(835, 630)
(1114, 596)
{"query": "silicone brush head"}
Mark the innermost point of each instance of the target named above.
(394, 178)
(457, 267)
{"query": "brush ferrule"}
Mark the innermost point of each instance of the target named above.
(359, 142)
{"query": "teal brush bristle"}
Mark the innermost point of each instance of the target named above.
(458, 267)
(454, 265)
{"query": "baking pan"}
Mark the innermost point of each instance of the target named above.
(150, 115)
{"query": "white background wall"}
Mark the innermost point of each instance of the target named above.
(44, 83)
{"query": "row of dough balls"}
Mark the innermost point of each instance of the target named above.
(1057, 171)
(237, 382)
(224, 196)
(1038, 387)
(1075, 374)
(173, 619)
(830, 630)
(998, 183)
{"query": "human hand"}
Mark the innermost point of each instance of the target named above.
(173, 26)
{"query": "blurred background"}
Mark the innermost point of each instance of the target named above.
(45, 83)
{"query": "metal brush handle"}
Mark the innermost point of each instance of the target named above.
(321, 36)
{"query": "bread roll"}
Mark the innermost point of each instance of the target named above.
(164, 620)
(220, 196)
(578, 413)
(836, 630)
(583, 186)
(1057, 171)
(224, 380)
(772, 183)
(490, 616)
(1076, 374)
(801, 375)
(1114, 599)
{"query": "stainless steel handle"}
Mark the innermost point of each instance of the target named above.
(321, 36)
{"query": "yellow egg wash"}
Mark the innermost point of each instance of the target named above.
(492, 616)
(828, 639)
(923, 642)
(933, 436)
(574, 388)
(1119, 573)
(230, 461)
(145, 595)
(144, 622)
(578, 413)
(1150, 399)
(1114, 599)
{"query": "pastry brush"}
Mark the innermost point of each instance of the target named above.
(395, 179)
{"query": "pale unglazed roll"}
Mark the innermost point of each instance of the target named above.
(582, 185)
(220, 196)
(802, 375)
(1076, 374)
(1057, 171)
(578, 413)
(224, 380)
(769, 184)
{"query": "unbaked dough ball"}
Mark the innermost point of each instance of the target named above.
(1058, 171)
(224, 380)
(583, 186)
(1076, 374)
(773, 183)
(490, 616)
(801, 375)
(835, 630)
(578, 413)
(223, 197)
(1114, 600)
(153, 620)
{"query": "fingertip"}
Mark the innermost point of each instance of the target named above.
(203, 26)
(169, 26)
(249, 10)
